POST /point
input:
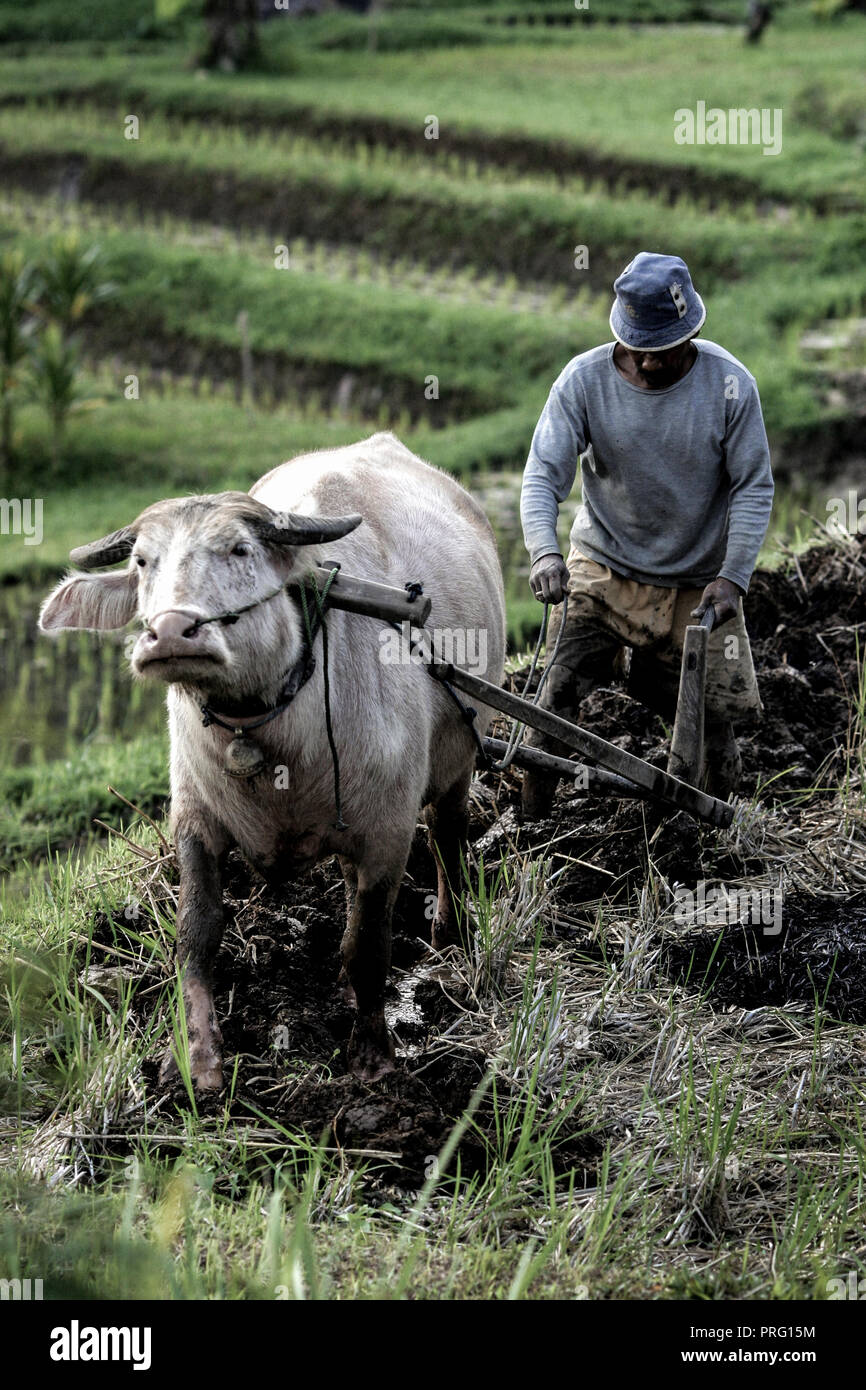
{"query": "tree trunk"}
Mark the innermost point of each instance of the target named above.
(5, 437)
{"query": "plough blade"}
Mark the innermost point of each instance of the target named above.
(686, 759)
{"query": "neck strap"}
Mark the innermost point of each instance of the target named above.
(295, 678)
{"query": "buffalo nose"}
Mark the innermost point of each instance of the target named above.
(173, 633)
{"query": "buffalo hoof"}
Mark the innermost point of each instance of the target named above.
(208, 1078)
(447, 933)
(443, 934)
(371, 1053)
(345, 987)
(206, 1070)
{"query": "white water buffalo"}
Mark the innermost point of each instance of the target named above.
(402, 743)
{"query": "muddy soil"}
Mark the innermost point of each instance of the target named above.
(818, 954)
(808, 630)
(285, 1019)
(281, 1010)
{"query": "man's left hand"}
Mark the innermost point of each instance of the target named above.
(724, 597)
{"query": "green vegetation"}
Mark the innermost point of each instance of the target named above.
(16, 292)
(41, 304)
(51, 807)
(594, 95)
(503, 217)
(55, 21)
(229, 1203)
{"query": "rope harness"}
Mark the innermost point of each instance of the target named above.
(320, 597)
(243, 757)
(469, 714)
(515, 737)
(231, 615)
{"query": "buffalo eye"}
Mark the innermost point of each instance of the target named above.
(241, 549)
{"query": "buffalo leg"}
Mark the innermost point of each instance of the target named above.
(200, 921)
(350, 884)
(366, 950)
(447, 823)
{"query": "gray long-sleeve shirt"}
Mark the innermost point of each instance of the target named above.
(677, 485)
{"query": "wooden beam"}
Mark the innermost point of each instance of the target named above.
(594, 780)
(651, 779)
(373, 600)
(686, 758)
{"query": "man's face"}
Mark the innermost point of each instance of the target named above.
(660, 369)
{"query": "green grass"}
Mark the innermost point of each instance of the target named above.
(55, 21)
(188, 298)
(706, 1184)
(120, 456)
(51, 807)
(400, 203)
(270, 1222)
(613, 91)
(609, 11)
(463, 23)
(193, 296)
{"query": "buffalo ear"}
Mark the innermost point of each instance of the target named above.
(107, 551)
(98, 602)
(293, 528)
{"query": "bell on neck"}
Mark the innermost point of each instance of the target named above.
(243, 757)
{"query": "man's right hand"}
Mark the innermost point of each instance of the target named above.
(548, 579)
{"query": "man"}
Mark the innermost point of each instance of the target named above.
(677, 493)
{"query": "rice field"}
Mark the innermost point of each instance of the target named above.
(601, 1101)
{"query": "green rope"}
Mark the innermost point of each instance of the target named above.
(320, 597)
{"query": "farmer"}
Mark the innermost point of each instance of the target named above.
(677, 492)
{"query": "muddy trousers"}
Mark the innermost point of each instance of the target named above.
(587, 658)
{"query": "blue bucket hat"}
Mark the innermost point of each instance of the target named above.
(656, 307)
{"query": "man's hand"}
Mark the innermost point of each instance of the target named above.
(724, 597)
(548, 578)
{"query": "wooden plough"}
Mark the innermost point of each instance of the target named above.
(646, 780)
(607, 769)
